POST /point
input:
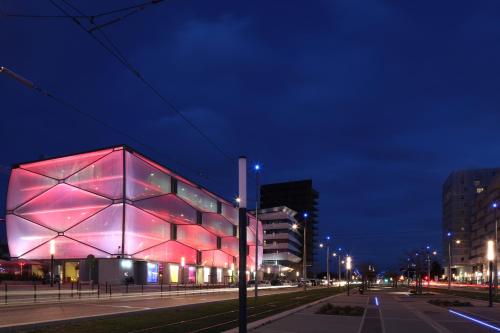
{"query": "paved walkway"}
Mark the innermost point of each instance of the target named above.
(390, 311)
(22, 314)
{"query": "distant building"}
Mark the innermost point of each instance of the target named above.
(460, 191)
(301, 197)
(282, 244)
(483, 228)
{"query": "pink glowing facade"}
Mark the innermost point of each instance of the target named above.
(115, 203)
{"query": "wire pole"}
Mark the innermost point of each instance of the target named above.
(242, 227)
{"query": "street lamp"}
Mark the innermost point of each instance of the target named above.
(327, 259)
(449, 259)
(495, 206)
(52, 252)
(348, 268)
(490, 255)
(304, 252)
(183, 263)
(256, 168)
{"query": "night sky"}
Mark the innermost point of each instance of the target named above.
(376, 101)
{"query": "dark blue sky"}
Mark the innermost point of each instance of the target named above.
(376, 101)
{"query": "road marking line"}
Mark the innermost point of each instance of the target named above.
(477, 321)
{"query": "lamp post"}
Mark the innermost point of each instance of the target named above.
(495, 279)
(449, 259)
(348, 268)
(304, 252)
(183, 263)
(490, 255)
(52, 252)
(334, 254)
(256, 167)
(327, 259)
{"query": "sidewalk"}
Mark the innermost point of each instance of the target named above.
(308, 321)
(388, 310)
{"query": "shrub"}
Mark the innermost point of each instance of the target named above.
(348, 310)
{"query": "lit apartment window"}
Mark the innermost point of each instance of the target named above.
(479, 189)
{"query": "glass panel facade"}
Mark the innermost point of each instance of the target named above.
(61, 168)
(169, 208)
(24, 185)
(102, 230)
(196, 197)
(65, 248)
(217, 224)
(62, 207)
(196, 237)
(170, 251)
(104, 177)
(26, 235)
(230, 245)
(230, 213)
(216, 258)
(143, 179)
(143, 230)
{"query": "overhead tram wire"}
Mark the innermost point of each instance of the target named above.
(68, 105)
(117, 54)
(137, 7)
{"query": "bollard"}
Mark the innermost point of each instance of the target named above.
(34, 292)
(98, 289)
(161, 289)
(142, 289)
(106, 287)
(110, 290)
(5, 294)
(59, 291)
(126, 287)
(71, 288)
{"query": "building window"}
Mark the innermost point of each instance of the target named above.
(479, 189)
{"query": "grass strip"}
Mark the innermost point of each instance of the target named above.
(213, 317)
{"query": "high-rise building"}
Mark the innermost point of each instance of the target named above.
(460, 191)
(282, 243)
(483, 229)
(302, 198)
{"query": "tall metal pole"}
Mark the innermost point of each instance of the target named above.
(449, 263)
(428, 269)
(242, 228)
(51, 270)
(490, 285)
(496, 251)
(327, 265)
(340, 277)
(257, 168)
(304, 257)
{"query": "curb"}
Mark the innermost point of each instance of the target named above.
(258, 323)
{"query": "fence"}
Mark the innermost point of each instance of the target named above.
(38, 292)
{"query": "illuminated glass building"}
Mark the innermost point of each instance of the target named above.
(140, 220)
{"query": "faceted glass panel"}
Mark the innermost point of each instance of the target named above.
(24, 185)
(143, 230)
(230, 245)
(216, 258)
(25, 235)
(196, 237)
(104, 177)
(65, 248)
(170, 251)
(230, 213)
(196, 197)
(250, 237)
(62, 207)
(170, 208)
(143, 179)
(217, 224)
(60, 168)
(103, 230)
